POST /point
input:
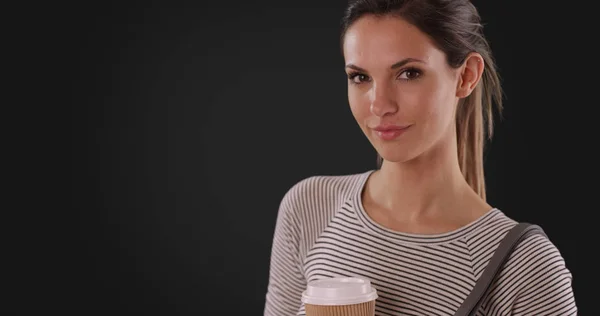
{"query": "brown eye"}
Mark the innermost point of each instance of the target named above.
(410, 74)
(358, 78)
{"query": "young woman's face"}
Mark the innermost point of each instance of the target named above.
(401, 90)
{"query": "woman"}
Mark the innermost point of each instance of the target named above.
(421, 81)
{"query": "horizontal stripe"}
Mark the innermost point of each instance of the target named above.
(323, 231)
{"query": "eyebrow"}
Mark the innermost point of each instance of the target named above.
(394, 66)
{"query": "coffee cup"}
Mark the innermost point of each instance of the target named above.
(340, 296)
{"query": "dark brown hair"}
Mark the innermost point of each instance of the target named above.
(455, 27)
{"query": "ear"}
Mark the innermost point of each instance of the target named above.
(470, 74)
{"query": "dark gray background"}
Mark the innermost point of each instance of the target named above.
(190, 121)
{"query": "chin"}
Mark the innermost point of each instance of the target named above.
(397, 154)
(405, 150)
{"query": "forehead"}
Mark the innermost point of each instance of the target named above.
(386, 40)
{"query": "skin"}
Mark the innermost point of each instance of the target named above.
(419, 188)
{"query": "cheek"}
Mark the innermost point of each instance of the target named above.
(358, 105)
(435, 104)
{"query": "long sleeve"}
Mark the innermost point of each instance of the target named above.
(286, 280)
(546, 285)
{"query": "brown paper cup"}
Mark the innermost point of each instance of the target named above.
(340, 296)
(362, 309)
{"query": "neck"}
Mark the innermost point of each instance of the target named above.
(428, 186)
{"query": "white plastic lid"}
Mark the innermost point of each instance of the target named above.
(339, 291)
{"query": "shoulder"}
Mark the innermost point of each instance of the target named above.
(537, 274)
(538, 257)
(328, 187)
(536, 251)
(314, 200)
(534, 254)
(534, 277)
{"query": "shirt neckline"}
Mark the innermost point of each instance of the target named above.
(375, 228)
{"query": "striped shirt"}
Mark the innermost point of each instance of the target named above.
(323, 231)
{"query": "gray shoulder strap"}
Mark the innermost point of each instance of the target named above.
(512, 238)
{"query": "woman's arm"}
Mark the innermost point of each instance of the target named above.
(545, 286)
(286, 280)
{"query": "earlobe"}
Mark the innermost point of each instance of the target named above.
(471, 73)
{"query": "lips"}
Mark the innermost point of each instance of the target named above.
(390, 132)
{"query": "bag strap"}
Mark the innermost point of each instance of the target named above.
(520, 231)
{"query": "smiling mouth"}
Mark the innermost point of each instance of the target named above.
(390, 133)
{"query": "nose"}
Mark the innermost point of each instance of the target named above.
(382, 99)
